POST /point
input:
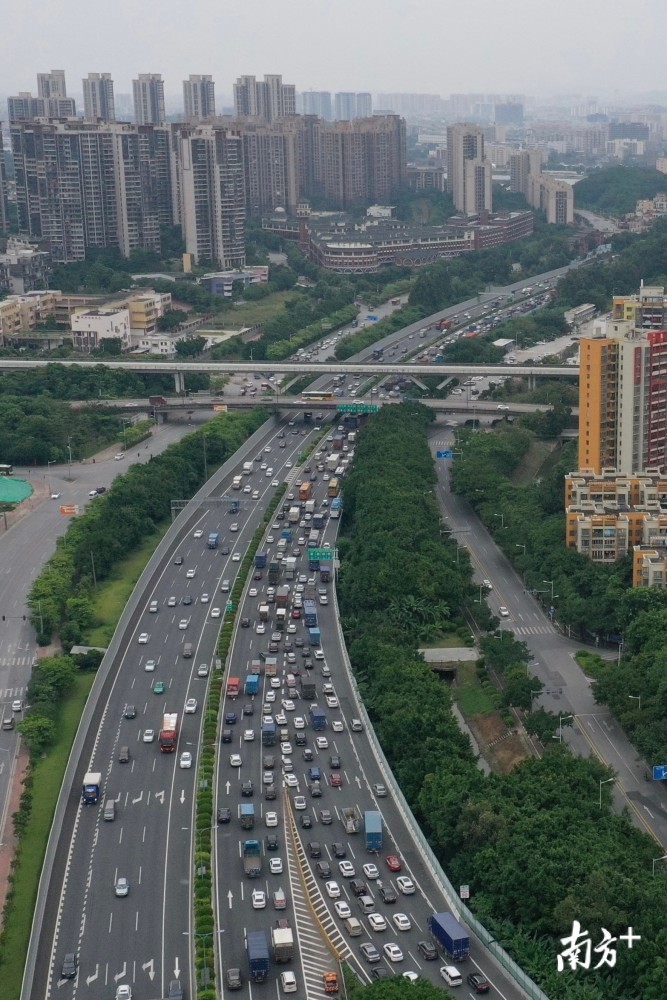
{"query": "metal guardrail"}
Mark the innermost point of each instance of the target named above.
(522, 980)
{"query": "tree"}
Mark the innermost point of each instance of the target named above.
(38, 733)
(190, 347)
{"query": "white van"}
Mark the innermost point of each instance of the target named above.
(288, 982)
(109, 811)
(451, 975)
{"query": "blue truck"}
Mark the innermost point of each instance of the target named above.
(318, 719)
(314, 636)
(287, 534)
(258, 955)
(372, 318)
(268, 734)
(325, 572)
(260, 560)
(318, 521)
(90, 793)
(447, 932)
(373, 830)
(310, 613)
(247, 815)
(213, 540)
(251, 685)
(313, 563)
(378, 354)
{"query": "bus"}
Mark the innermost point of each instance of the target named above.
(317, 395)
(334, 487)
(6, 470)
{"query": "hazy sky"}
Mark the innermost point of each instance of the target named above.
(591, 47)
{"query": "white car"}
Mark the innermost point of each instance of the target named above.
(405, 885)
(401, 921)
(183, 624)
(143, 638)
(502, 406)
(119, 456)
(215, 612)
(333, 889)
(299, 801)
(55, 496)
(190, 575)
(255, 494)
(234, 527)
(393, 952)
(149, 735)
(288, 704)
(149, 665)
(291, 780)
(236, 557)
(123, 992)
(347, 869)
(503, 612)
(318, 654)
(171, 603)
(276, 866)
(249, 735)
(271, 819)
(412, 977)
(186, 759)
(291, 628)
(281, 719)
(342, 909)
(263, 466)
(275, 682)
(337, 726)
(324, 599)
(299, 722)
(247, 488)
(258, 899)
(288, 465)
(235, 759)
(377, 922)
(274, 482)
(267, 449)
(371, 871)
(260, 629)
(270, 539)
(286, 748)
(299, 589)
(252, 592)
(270, 695)
(332, 701)
(322, 743)
(198, 533)
(191, 706)
(204, 599)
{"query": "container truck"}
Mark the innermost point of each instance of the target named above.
(318, 521)
(213, 540)
(282, 942)
(351, 437)
(313, 563)
(313, 539)
(236, 482)
(332, 462)
(334, 511)
(447, 932)
(338, 442)
(333, 489)
(260, 560)
(287, 534)
(318, 719)
(350, 820)
(169, 733)
(373, 830)
(281, 619)
(157, 401)
(325, 572)
(264, 612)
(90, 793)
(252, 858)
(294, 515)
(290, 567)
(305, 491)
(247, 468)
(310, 507)
(268, 734)
(233, 687)
(270, 666)
(308, 690)
(274, 572)
(310, 613)
(444, 324)
(314, 636)
(247, 813)
(251, 685)
(282, 597)
(258, 955)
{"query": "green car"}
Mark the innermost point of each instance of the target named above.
(158, 687)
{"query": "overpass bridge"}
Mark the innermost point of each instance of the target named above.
(179, 368)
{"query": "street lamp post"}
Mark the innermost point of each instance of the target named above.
(551, 584)
(205, 457)
(637, 698)
(502, 519)
(521, 545)
(655, 861)
(620, 651)
(561, 720)
(69, 459)
(605, 782)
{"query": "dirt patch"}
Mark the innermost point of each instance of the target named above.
(501, 747)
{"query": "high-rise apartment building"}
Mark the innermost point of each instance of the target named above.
(4, 204)
(98, 98)
(148, 93)
(199, 97)
(553, 196)
(80, 185)
(269, 99)
(362, 160)
(468, 170)
(623, 399)
(210, 194)
(271, 158)
(317, 102)
(364, 105)
(51, 84)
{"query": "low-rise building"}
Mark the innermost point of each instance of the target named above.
(222, 282)
(23, 267)
(91, 326)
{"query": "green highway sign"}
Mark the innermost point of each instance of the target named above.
(229, 606)
(321, 554)
(358, 408)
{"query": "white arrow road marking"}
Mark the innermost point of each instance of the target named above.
(121, 975)
(91, 979)
(230, 897)
(149, 966)
(160, 797)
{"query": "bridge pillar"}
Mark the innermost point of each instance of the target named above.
(179, 382)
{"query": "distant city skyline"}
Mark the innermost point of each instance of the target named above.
(573, 51)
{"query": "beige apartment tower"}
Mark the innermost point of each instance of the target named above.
(468, 170)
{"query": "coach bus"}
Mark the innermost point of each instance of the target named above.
(317, 395)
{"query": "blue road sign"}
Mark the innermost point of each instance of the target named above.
(444, 454)
(659, 772)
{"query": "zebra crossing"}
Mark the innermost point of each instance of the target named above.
(545, 629)
(10, 694)
(7, 662)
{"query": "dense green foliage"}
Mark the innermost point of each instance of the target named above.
(535, 847)
(616, 190)
(36, 430)
(50, 683)
(57, 381)
(136, 503)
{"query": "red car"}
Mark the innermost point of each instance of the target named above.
(393, 863)
(296, 613)
(336, 779)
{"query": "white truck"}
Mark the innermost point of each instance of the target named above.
(282, 940)
(290, 567)
(310, 507)
(294, 515)
(332, 462)
(247, 468)
(236, 483)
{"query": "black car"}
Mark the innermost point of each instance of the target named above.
(387, 894)
(247, 789)
(175, 991)
(306, 821)
(272, 841)
(224, 551)
(226, 736)
(358, 887)
(307, 754)
(323, 869)
(280, 516)
(314, 849)
(70, 965)
(427, 950)
(338, 850)
(245, 623)
(187, 599)
(298, 642)
(230, 718)
(479, 983)
(178, 561)
(249, 709)
(313, 477)
(224, 815)
(130, 712)
(334, 761)
(381, 973)
(300, 739)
